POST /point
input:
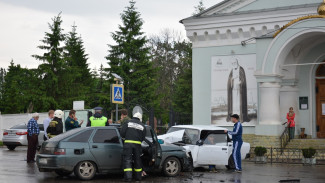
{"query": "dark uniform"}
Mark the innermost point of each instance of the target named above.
(55, 127)
(134, 133)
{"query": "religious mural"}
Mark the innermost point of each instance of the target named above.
(233, 89)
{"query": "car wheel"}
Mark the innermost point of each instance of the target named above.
(62, 173)
(85, 170)
(11, 148)
(171, 167)
(231, 163)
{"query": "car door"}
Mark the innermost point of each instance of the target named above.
(214, 150)
(106, 146)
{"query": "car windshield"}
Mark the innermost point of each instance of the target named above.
(66, 134)
(191, 136)
(22, 126)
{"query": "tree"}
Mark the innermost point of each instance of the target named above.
(129, 58)
(199, 8)
(77, 76)
(53, 65)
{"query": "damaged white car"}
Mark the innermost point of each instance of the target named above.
(207, 144)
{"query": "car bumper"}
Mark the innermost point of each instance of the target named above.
(46, 163)
(15, 141)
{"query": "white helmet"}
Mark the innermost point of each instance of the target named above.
(58, 114)
(138, 115)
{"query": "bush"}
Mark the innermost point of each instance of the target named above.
(308, 152)
(1, 143)
(260, 151)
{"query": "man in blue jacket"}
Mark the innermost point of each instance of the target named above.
(237, 141)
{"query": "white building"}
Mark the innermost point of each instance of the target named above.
(279, 46)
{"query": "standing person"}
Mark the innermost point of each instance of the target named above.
(291, 122)
(32, 137)
(46, 123)
(97, 119)
(237, 141)
(72, 122)
(56, 126)
(124, 117)
(133, 132)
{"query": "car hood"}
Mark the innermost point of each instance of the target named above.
(172, 137)
(166, 148)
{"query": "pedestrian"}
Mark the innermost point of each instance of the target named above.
(56, 126)
(98, 119)
(124, 117)
(291, 122)
(46, 123)
(72, 121)
(133, 132)
(32, 137)
(237, 141)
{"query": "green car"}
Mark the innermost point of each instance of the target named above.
(87, 151)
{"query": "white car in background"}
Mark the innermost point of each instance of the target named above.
(196, 139)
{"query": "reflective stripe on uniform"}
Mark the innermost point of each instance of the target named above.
(138, 170)
(128, 170)
(132, 142)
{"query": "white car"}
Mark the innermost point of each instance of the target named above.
(207, 144)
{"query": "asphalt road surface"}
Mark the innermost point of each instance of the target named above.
(15, 169)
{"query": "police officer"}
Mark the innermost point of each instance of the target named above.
(97, 119)
(134, 133)
(56, 126)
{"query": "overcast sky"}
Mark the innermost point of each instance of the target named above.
(23, 24)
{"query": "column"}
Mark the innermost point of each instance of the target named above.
(269, 103)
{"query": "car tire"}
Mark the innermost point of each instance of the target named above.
(231, 164)
(62, 173)
(11, 147)
(85, 170)
(171, 167)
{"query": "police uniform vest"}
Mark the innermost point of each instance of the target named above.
(98, 121)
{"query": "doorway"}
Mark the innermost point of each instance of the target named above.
(320, 101)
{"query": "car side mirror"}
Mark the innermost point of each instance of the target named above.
(199, 142)
(161, 141)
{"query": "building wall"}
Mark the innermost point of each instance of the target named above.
(202, 78)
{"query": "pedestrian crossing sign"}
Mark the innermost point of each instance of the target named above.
(117, 94)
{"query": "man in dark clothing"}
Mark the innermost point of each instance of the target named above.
(133, 132)
(97, 119)
(72, 122)
(56, 126)
(32, 137)
(237, 141)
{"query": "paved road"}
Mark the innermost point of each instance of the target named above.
(15, 169)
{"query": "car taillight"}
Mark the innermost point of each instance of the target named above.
(21, 133)
(59, 152)
(5, 133)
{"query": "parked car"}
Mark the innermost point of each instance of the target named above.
(91, 150)
(17, 136)
(196, 140)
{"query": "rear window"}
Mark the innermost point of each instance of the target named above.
(23, 126)
(106, 136)
(66, 134)
(81, 137)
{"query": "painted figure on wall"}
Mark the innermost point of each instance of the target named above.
(237, 91)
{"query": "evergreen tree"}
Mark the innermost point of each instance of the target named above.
(129, 58)
(53, 65)
(199, 8)
(78, 78)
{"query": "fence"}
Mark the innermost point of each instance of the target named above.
(287, 155)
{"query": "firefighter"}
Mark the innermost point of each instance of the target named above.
(133, 132)
(98, 119)
(56, 126)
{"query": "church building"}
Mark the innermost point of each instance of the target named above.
(258, 58)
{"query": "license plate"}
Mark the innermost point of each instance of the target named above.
(43, 161)
(12, 134)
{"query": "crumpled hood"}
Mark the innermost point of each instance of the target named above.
(166, 148)
(172, 137)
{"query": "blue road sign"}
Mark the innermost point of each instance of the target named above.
(117, 94)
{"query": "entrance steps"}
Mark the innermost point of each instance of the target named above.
(306, 143)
